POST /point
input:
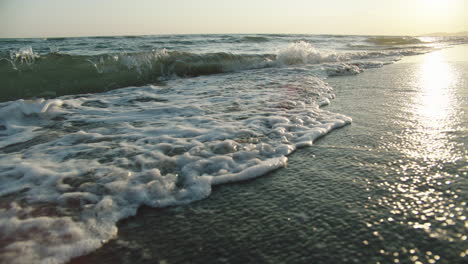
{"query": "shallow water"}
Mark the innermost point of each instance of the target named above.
(390, 188)
(73, 166)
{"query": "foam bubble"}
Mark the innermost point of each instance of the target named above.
(80, 164)
(304, 52)
(20, 119)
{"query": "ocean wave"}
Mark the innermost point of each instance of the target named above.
(26, 74)
(16, 41)
(257, 39)
(56, 39)
(302, 52)
(104, 37)
(391, 41)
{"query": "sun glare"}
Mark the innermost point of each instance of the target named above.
(434, 102)
(436, 77)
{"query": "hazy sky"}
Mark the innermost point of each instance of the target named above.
(55, 18)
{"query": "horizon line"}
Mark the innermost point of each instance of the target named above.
(442, 34)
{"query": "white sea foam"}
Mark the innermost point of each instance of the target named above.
(332, 63)
(24, 55)
(72, 167)
(21, 119)
(303, 52)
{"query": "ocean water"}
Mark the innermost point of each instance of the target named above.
(91, 129)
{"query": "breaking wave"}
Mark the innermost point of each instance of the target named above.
(26, 74)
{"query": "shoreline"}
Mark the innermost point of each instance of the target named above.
(327, 205)
(456, 53)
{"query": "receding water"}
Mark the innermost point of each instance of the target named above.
(389, 188)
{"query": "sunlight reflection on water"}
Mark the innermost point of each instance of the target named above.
(425, 190)
(434, 114)
(436, 80)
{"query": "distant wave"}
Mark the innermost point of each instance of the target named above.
(56, 39)
(255, 39)
(16, 41)
(389, 41)
(106, 37)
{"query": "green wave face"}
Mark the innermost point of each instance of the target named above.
(29, 75)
